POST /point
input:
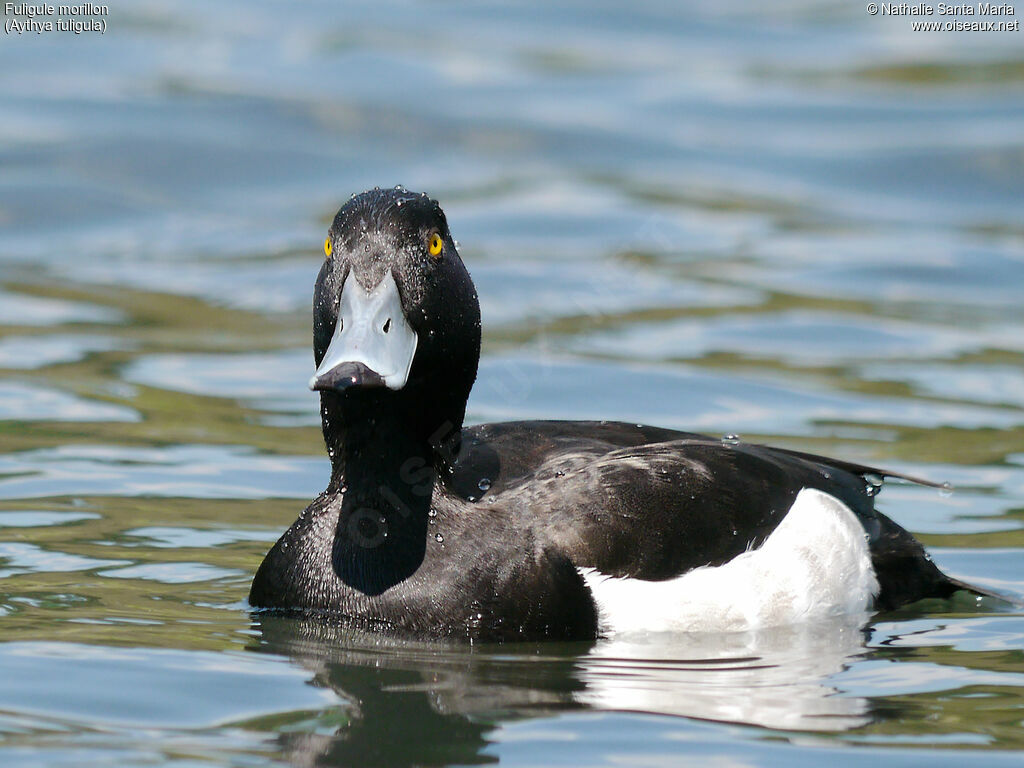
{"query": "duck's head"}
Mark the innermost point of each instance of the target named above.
(396, 319)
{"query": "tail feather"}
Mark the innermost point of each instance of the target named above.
(906, 572)
(860, 469)
(983, 592)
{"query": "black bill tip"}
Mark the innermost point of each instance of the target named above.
(346, 375)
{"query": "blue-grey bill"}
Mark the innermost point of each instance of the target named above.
(372, 342)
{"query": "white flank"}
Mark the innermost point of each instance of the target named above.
(815, 564)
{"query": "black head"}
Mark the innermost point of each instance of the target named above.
(396, 319)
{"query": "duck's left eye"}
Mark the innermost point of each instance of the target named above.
(328, 247)
(435, 244)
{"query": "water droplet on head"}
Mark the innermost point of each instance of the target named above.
(439, 538)
(559, 473)
(471, 497)
(946, 490)
(731, 439)
(484, 484)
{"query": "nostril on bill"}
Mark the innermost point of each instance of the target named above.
(387, 325)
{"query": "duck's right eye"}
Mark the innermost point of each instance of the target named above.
(328, 247)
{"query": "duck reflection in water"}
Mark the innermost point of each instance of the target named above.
(404, 702)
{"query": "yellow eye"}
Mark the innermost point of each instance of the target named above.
(435, 244)
(328, 247)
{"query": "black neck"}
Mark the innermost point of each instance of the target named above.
(384, 467)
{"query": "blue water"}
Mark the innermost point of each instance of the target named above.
(798, 222)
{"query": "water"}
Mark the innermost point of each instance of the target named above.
(798, 224)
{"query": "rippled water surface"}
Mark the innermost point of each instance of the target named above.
(802, 225)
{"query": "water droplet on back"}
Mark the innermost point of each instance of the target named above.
(731, 439)
(484, 484)
(873, 483)
(439, 538)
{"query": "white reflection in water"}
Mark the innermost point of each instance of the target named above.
(19, 310)
(196, 471)
(31, 402)
(775, 678)
(24, 352)
(22, 557)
